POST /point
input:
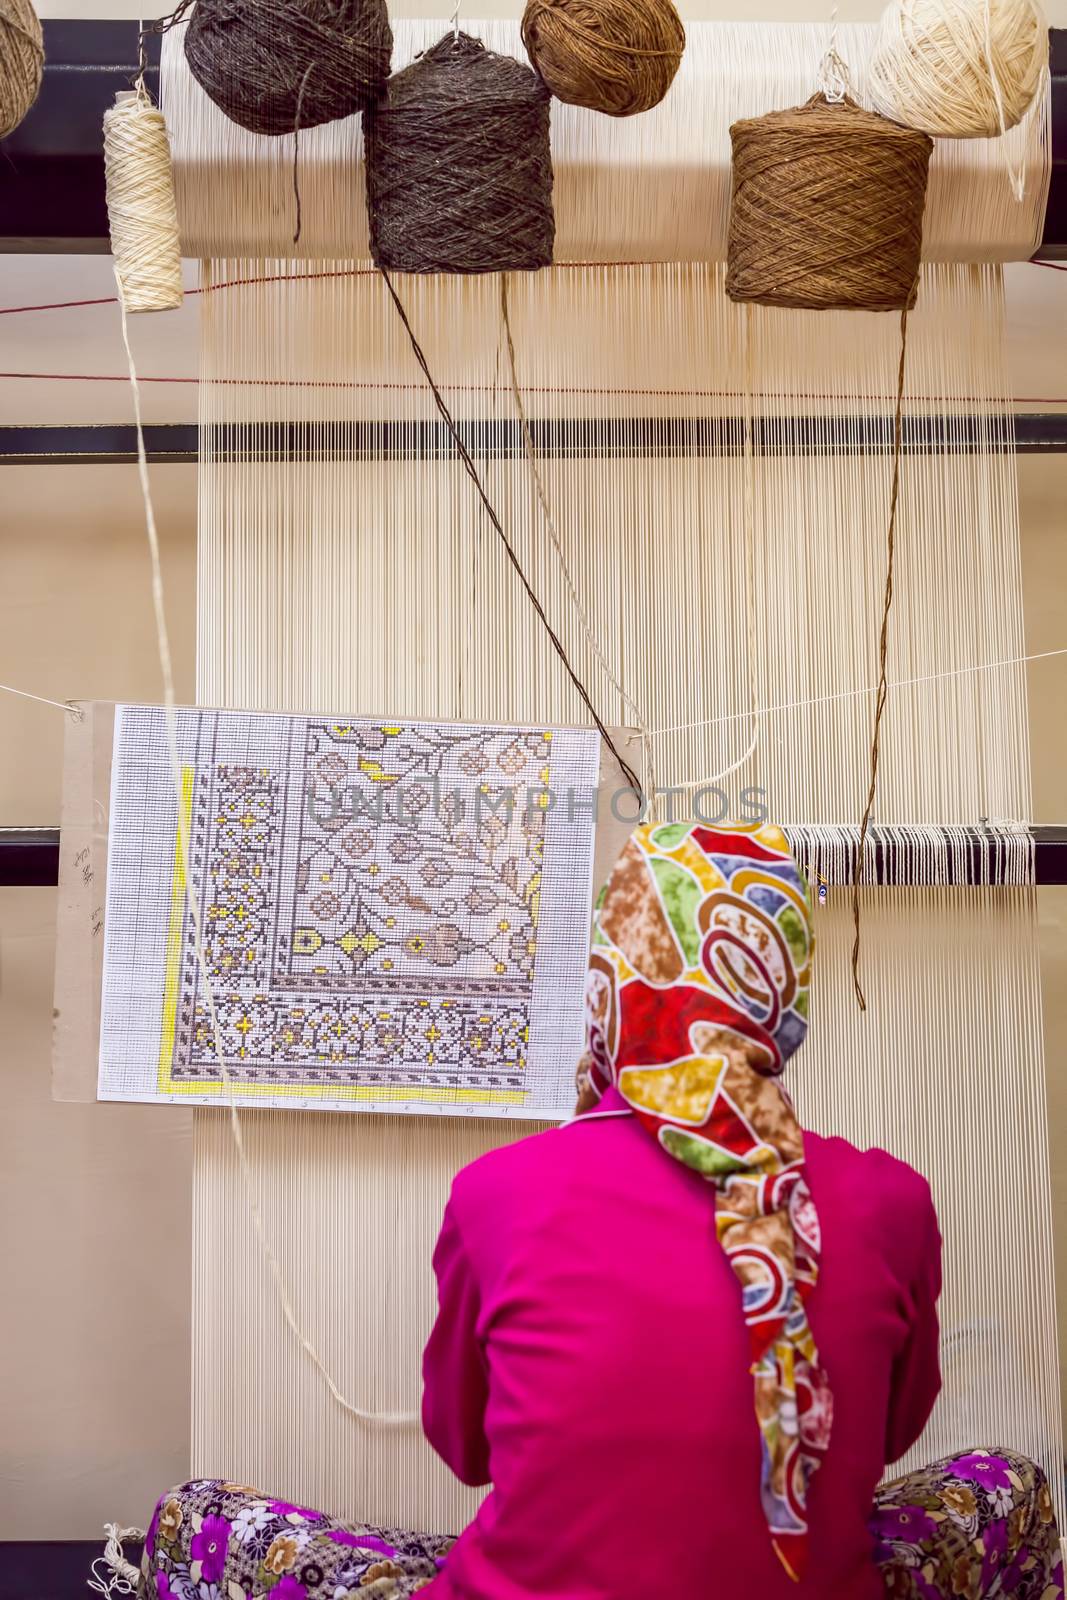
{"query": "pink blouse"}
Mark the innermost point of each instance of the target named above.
(590, 1361)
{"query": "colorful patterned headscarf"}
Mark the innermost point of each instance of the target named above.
(697, 995)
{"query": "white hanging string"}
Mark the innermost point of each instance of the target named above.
(833, 71)
(75, 711)
(62, 705)
(851, 694)
(125, 1578)
(1016, 172)
(396, 1418)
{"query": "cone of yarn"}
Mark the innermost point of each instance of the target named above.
(275, 66)
(140, 205)
(615, 56)
(960, 69)
(21, 62)
(827, 209)
(459, 171)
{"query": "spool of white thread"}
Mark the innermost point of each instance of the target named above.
(140, 203)
(958, 69)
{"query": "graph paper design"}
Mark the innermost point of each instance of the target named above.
(392, 914)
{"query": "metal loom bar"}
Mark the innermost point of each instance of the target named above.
(52, 177)
(29, 857)
(1035, 433)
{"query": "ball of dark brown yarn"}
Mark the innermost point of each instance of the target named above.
(616, 56)
(827, 209)
(459, 170)
(277, 65)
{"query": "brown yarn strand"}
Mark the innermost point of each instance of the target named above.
(827, 209)
(458, 164)
(614, 56)
(276, 66)
(472, 472)
(21, 62)
(883, 651)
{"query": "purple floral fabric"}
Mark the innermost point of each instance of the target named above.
(213, 1540)
(973, 1527)
(977, 1527)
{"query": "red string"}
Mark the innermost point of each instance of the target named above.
(285, 277)
(348, 272)
(370, 271)
(494, 388)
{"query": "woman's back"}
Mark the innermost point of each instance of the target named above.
(591, 1360)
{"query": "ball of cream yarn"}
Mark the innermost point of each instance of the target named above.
(961, 69)
(21, 62)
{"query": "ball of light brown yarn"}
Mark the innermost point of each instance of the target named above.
(827, 209)
(616, 56)
(21, 62)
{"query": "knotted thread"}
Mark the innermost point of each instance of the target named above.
(21, 62)
(827, 209)
(276, 66)
(961, 69)
(615, 56)
(459, 171)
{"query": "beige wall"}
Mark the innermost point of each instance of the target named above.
(95, 1215)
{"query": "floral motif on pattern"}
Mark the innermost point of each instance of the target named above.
(371, 918)
(979, 1525)
(204, 1542)
(971, 1527)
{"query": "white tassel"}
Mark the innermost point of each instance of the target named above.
(125, 1578)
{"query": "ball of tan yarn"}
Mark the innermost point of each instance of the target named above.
(961, 69)
(21, 62)
(615, 56)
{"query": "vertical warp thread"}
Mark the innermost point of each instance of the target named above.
(564, 567)
(472, 473)
(883, 650)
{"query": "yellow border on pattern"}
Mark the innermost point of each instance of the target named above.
(173, 967)
(252, 1091)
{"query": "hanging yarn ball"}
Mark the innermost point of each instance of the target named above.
(827, 209)
(963, 69)
(21, 62)
(459, 171)
(276, 66)
(140, 204)
(616, 56)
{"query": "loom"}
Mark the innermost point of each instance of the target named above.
(733, 589)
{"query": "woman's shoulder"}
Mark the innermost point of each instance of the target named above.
(515, 1163)
(884, 1180)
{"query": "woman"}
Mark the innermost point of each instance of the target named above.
(680, 1337)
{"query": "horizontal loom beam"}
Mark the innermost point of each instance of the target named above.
(29, 857)
(52, 166)
(1035, 433)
